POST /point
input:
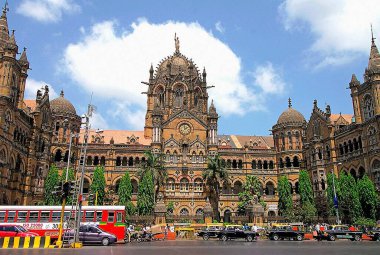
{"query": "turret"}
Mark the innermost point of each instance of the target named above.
(204, 74)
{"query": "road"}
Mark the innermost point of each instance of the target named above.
(217, 248)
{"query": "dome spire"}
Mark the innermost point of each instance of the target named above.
(290, 102)
(62, 94)
(176, 43)
(4, 31)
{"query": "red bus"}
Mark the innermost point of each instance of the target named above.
(44, 220)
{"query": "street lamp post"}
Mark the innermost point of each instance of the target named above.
(335, 197)
(68, 158)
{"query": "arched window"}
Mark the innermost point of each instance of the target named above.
(178, 97)
(368, 107)
(135, 186)
(372, 140)
(117, 184)
(269, 189)
(184, 184)
(226, 188)
(118, 161)
(328, 152)
(137, 161)
(58, 156)
(199, 211)
(96, 160)
(287, 162)
(228, 163)
(281, 163)
(240, 164)
(259, 164)
(356, 145)
(86, 186)
(66, 158)
(223, 163)
(130, 161)
(170, 184)
(291, 188)
(234, 163)
(345, 147)
(238, 187)
(353, 173)
(296, 162)
(323, 184)
(198, 185)
(341, 151)
(289, 139)
(350, 146)
(271, 164)
(125, 161)
(297, 188)
(184, 212)
(102, 161)
(160, 93)
(319, 153)
(361, 172)
(89, 161)
(197, 95)
(265, 165)
(253, 164)
(360, 142)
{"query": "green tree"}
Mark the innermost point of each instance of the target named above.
(155, 167)
(213, 175)
(251, 187)
(51, 181)
(71, 177)
(307, 202)
(285, 201)
(369, 199)
(145, 196)
(125, 189)
(349, 197)
(98, 184)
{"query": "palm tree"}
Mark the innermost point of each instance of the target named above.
(213, 175)
(154, 165)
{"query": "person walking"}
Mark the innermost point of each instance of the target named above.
(318, 231)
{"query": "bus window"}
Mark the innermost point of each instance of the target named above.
(111, 216)
(67, 215)
(119, 217)
(21, 216)
(11, 216)
(89, 216)
(33, 217)
(45, 217)
(99, 215)
(2, 216)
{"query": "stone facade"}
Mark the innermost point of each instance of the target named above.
(182, 125)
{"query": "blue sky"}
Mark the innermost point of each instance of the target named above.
(256, 53)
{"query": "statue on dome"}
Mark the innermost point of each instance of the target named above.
(176, 41)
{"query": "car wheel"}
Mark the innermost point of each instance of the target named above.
(224, 238)
(332, 238)
(206, 237)
(105, 241)
(357, 238)
(139, 239)
(249, 238)
(275, 237)
(299, 237)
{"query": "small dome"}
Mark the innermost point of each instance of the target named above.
(290, 115)
(61, 105)
(177, 64)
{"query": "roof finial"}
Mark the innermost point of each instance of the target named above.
(373, 38)
(5, 8)
(62, 93)
(176, 42)
(290, 102)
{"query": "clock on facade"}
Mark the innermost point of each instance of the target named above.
(184, 129)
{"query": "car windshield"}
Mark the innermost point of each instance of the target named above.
(21, 229)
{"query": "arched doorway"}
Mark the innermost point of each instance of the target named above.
(353, 173)
(227, 216)
(135, 186)
(86, 186)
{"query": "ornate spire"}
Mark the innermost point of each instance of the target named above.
(4, 32)
(176, 43)
(290, 102)
(204, 74)
(23, 57)
(354, 81)
(151, 71)
(374, 56)
(212, 109)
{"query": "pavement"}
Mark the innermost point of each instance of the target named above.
(200, 247)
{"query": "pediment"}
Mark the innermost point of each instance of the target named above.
(184, 114)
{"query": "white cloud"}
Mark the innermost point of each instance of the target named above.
(113, 64)
(47, 10)
(219, 27)
(341, 27)
(32, 86)
(269, 79)
(97, 121)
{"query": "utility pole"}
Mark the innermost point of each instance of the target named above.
(86, 117)
(335, 199)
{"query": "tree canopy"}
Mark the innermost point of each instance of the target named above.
(51, 181)
(145, 196)
(307, 202)
(285, 201)
(369, 198)
(98, 184)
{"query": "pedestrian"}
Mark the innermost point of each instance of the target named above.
(166, 231)
(254, 227)
(318, 231)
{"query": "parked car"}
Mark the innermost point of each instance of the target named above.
(210, 232)
(89, 234)
(374, 234)
(236, 232)
(278, 232)
(15, 230)
(342, 232)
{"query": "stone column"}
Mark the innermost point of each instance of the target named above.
(208, 212)
(160, 211)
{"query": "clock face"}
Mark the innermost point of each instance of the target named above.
(184, 129)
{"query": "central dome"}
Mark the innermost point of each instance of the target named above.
(177, 64)
(290, 115)
(61, 105)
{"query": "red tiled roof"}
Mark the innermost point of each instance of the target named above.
(346, 117)
(30, 103)
(119, 136)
